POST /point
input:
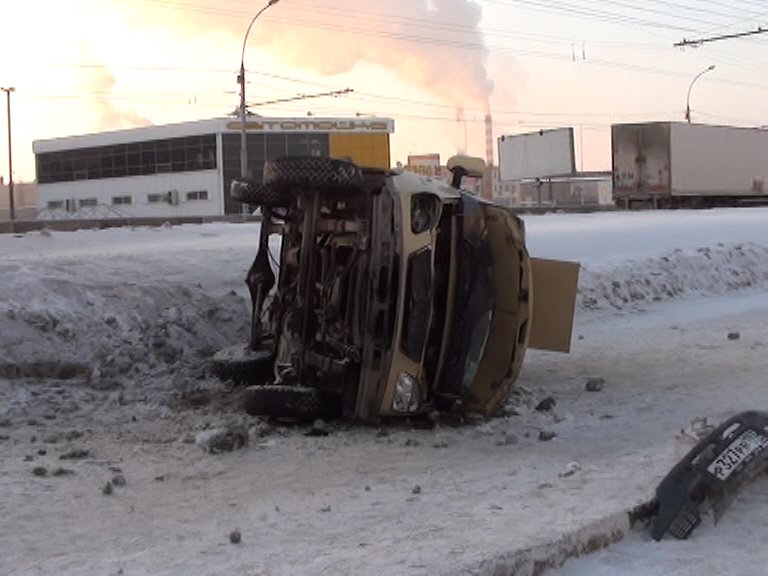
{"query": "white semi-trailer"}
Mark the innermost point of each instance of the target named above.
(677, 164)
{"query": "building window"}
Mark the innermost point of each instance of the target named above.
(198, 195)
(188, 154)
(88, 202)
(55, 204)
(121, 200)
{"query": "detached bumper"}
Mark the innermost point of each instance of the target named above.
(713, 471)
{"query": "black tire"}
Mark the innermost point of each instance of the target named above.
(243, 365)
(284, 177)
(298, 402)
(248, 191)
(337, 178)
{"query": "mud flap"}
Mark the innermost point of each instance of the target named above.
(712, 472)
(554, 284)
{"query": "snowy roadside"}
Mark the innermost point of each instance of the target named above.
(391, 501)
(136, 301)
(736, 545)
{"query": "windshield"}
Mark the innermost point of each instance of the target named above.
(474, 299)
(418, 297)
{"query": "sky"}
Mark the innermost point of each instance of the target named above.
(435, 66)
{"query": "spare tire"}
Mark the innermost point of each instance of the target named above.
(299, 402)
(250, 191)
(331, 177)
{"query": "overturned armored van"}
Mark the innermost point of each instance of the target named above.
(394, 294)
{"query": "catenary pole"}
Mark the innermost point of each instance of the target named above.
(10, 156)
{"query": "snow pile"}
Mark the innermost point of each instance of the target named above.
(704, 272)
(630, 259)
(61, 328)
(91, 304)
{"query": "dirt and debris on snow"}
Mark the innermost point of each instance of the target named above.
(104, 351)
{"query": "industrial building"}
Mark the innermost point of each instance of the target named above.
(579, 190)
(185, 169)
(572, 191)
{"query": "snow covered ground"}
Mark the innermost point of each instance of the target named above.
(104, 343)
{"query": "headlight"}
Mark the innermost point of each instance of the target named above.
(407, 394)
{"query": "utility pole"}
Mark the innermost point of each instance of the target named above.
(688, 98)
(241, 81)
(10, 155)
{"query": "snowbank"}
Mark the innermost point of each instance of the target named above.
(104, 304)
(115, 303)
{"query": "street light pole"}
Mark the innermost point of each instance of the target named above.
(688, 99)
(10, 155)
(241, 80)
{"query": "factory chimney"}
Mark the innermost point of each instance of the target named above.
(488, 177)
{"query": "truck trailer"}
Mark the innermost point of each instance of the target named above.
(677, 165)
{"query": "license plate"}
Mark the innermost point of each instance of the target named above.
(737, 452)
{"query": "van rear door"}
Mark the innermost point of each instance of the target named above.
(554, 285)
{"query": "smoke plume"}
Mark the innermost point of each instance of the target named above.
(98, 82)
(435, 45)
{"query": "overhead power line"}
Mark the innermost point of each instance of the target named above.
(700, 41)
(333, 93)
